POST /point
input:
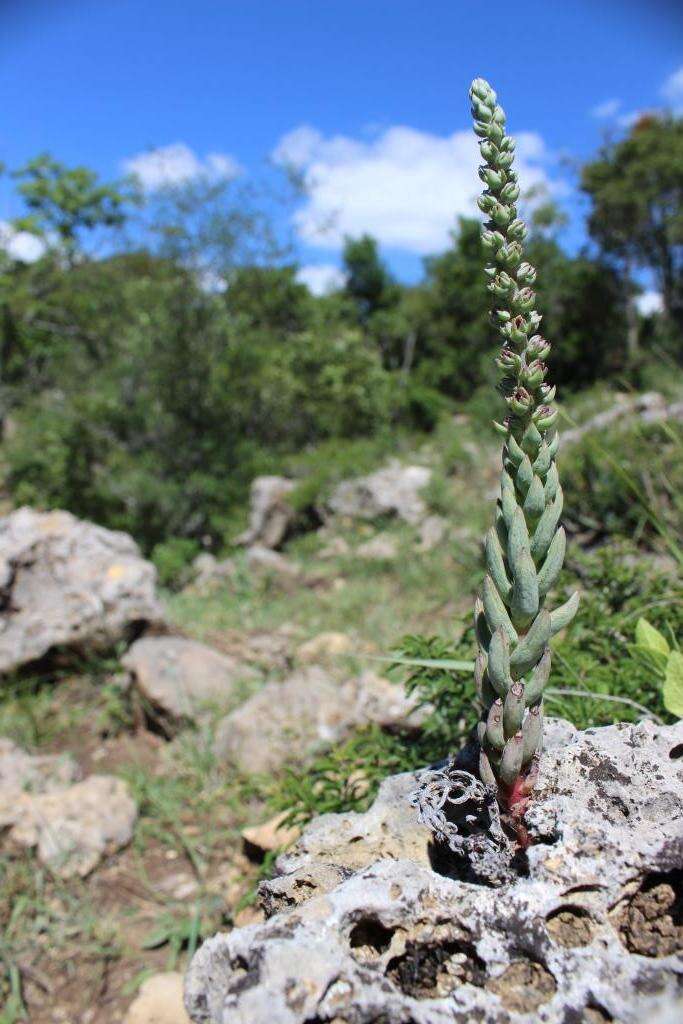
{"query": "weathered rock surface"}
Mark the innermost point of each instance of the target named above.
(309, 709)
(208, 571)
(64, 581)
(371, 923)
(392, 490)
(270, 514)
(73, 824)
(160, 1001)
(184, 679)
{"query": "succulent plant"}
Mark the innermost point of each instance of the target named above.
(525, 548)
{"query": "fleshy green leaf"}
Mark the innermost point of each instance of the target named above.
(650, 638)
(673, 684)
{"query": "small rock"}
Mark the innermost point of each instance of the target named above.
(260, 559)
(432, 532)
(74, 827)
(207, 571)
(310, 709)
(160, 1001)
(183, 678)
(336, 547)
(270, 514)
(324, 646)
(271, 835)
(67, 582)
(381, 548)
(392, 490)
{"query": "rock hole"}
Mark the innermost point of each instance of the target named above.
(523, 986)
(570, 926)
(596, 1014)
(650, 922)
(676, 751)
(369, 938)
(432, 970)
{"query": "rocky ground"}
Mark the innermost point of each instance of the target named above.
(141, 735)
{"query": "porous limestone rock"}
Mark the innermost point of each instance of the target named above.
(270, 514)
(72, 824)
(184, 679)
(64, 581)
(309, 709)
(159, 1001)
(372, 923)
(392, 490)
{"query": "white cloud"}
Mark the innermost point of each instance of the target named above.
(20, 245)
(405, 187)
(649, 303)
(672, 90)
(605, 111)
(321, 278)
(177, 163)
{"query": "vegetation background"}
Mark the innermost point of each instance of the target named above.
(160, 347)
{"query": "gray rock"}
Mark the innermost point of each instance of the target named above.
(308, 710)
(183, 678)
(393, 490)
(270, 514)
(382, 548)
(374, 924)
(72, 824)
(263, 560)
(433, 531)
(65, 581)
(208, 571)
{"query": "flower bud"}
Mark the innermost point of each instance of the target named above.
(493, 179)
(481, 129)
(510, 192)
(494, 132)
(501, 215)
(547, 393)
(533, 374)
(520, 401)
(533, 320)
(517, 230)
(486, 203)
(488, 151)
(508, 360)
(524, 299)
(544, 417)
(505, 160)
(526, 274)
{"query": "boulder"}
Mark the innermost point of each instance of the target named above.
(72, 824)
(393, 490)
(372, 922)
(270, 514)
(310, 709)
(159, 1001)
(184, 679)
(65, 581)
(207, 571)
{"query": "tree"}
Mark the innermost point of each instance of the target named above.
(636, 188)
(66, 201)
(369, 284)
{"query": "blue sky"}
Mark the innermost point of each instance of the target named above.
(368, 96)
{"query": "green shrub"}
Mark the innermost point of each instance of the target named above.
(172, 559)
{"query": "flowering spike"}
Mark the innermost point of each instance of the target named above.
(525, 550)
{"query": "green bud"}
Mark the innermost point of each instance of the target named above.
(526, 274)
(517, 230)
(538, 347)
(520, 401)
(544, 417)
(510, 191)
